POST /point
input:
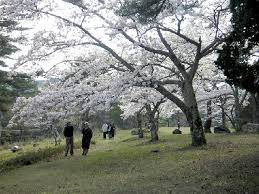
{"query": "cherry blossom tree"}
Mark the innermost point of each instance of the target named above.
(163, 55)
(138, 100)
(221, 102)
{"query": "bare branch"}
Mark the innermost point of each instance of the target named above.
(172, 55)
(211, 47)
(187, 39)
(98, 41)
(170, 81)
(243, 98)
(152, 50)
(174, 98)
(118, 68)
(179, 23)
(195, 65)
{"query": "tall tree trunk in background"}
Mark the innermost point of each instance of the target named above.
(1, 128)
(223, 117)
(139, 120)
(223, 113)
(193, 115)
(84, 117)
(255, 105)
(157, 119)
(139, 124)
(152, 122)
(207, 124)
(238, 123)
(257, 109)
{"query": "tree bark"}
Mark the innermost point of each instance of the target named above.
(223, 117)
(85, 116)
(1, 127)
(223, 113)
(157, 120)
(192, 115)
(0, 133)
(152, 122)
(207, 124)
(139, 125)
(255, 98)
(238, 124)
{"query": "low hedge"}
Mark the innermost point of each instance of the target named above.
(30, 157)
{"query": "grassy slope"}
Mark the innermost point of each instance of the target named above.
(6, 154)
(229, 163)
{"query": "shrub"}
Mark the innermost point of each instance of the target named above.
(31, 157)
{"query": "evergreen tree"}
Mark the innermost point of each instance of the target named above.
(144, 11)
(234, 58)
(6, 46)
(11, 86)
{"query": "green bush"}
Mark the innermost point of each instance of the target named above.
(31, 157)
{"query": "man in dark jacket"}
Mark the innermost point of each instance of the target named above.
(68, 133)
(86, 139)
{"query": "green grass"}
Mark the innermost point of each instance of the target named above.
(229, 163)
(6, 154)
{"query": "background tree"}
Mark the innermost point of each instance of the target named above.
(163, 55)
(6, 43)
(12, 85)
(239, 56)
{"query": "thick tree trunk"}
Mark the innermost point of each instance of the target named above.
(153, 131)
(157, 120)
(193, 116)
(152, 122)
(190, 109)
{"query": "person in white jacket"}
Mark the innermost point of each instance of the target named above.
(105, 130)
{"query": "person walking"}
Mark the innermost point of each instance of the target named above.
(111, 130)
(86, 139)
(68, 133)
(105, 130)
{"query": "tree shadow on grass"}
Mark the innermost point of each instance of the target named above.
(211, 146)
(149, 142)
(191, 148)
(130, 139)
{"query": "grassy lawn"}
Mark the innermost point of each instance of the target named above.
(229, 163)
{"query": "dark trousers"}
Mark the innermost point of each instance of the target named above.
(104, 135)
(111, 134)
(69, 145)
(85, 151)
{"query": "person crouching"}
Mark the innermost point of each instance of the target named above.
(86, 139)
